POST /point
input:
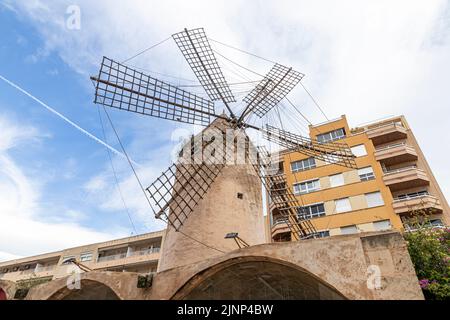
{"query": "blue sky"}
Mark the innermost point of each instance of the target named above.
(365, 60)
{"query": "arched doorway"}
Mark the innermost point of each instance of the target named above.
(257, 280)
(89, 290)
(3, 295)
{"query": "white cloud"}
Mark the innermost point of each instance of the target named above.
(23, 228)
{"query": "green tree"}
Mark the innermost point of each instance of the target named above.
(429, 250)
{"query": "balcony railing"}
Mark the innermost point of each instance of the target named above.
(430, 225)
(386, 124)
(391, 146)
(144, 252)
(131, 254)
(387, 172)
(112, 257)
(386, 132)
(46, 268)
(413, 196)
(277, 221)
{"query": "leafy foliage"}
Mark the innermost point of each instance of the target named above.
(429, 251)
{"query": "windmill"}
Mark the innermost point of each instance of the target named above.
(177, 192)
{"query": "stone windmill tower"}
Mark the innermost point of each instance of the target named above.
(215, 187)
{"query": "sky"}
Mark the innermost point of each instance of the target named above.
(366, 59)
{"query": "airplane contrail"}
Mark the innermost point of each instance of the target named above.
(46, 106)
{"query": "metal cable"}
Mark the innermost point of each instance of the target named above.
(115, 174)
(145, 50)
(243, 51)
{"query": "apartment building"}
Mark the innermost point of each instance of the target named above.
(393, 182)
(133, 254)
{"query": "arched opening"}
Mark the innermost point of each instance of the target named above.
(88, 290)
(257, 280)
(3, 295)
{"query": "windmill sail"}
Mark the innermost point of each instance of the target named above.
(330, 152)
(195, 47)
(179, 189)
(175, 194)
(121, 87)
(271, 90)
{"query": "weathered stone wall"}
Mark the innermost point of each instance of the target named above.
(342, 263)
(345, 263)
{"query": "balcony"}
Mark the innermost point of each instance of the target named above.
(279, 226)
(131, 257)
(405, 178)
(386, 133)
(144, 252)
(418, 202)
(432, 224)
(112, 257)
(395, 154)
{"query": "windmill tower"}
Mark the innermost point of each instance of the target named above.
(232, 203)
(215, 186)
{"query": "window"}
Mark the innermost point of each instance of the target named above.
(412, 225)
(436, 223)
(331, 136)
(366, 174)
(307, 186)
(343, 205)
(302, 165)
(322, 234)
(412, 195)
(86, 256)
(374, 199)
(337, 180)
(349, 229)
(382, 225)
(359, 150)
(311, 211)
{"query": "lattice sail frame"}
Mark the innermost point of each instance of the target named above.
(121, 87)
(271, 90)
(176, 193)
(281, 195)
(195, 47)
(331, 152)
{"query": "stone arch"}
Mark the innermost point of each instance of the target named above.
(256, 278)
(88, 290)
(94, 285)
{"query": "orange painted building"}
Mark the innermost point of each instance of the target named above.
(392, 182)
